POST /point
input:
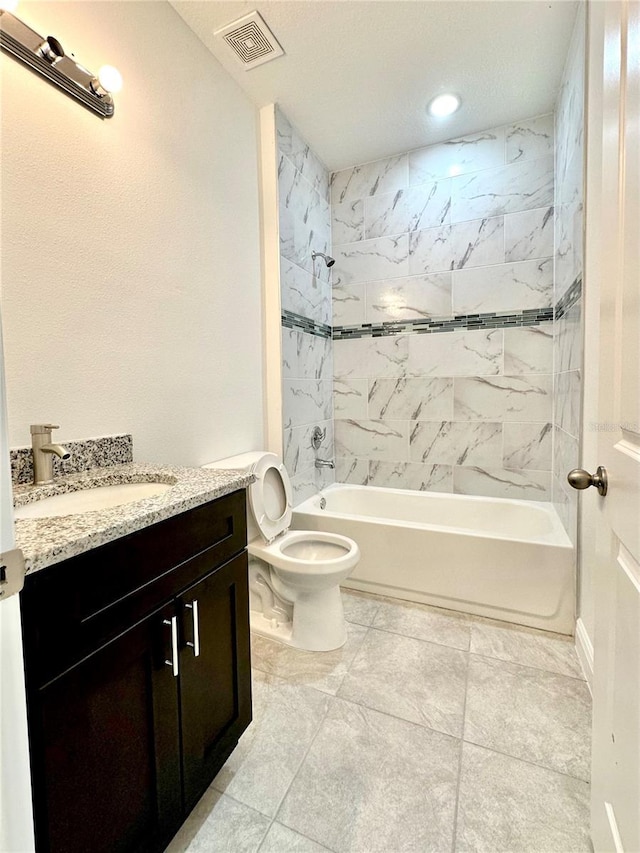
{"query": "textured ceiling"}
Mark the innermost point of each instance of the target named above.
(356, 75)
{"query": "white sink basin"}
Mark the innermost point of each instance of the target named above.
(87, 500)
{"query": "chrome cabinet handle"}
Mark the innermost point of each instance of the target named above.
(195, 645)
(173, 663)
(581, 479)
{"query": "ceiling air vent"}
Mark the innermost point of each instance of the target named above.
(251, 40)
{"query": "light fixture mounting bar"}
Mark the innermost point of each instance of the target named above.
(63, 71)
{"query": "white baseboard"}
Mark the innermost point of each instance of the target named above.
(584, 648)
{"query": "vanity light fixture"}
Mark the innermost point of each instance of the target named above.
(444, 105)
(47, 57)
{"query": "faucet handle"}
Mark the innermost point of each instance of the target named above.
(38, 429)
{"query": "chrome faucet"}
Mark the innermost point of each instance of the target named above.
(325, 463)
(43, 453)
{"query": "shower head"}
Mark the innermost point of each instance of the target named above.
(329, 261)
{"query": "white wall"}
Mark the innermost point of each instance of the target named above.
(130, 246)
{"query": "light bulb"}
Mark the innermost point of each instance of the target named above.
(8, 5)
(444, 105)
(110, 79)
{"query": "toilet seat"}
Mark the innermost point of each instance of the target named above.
(270, 497)
(275, 552)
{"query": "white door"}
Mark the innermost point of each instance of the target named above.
(613, 204)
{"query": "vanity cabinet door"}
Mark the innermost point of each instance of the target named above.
(215, 673)
(105, 741)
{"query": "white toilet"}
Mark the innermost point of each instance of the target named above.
(294, 575)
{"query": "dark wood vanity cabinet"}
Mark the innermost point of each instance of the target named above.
(138, 679)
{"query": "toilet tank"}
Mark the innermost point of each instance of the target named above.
(243, 462)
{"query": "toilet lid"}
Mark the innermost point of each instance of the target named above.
(270, 497)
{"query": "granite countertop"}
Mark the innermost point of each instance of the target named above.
(45, 541)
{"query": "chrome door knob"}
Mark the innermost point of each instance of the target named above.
(581, 479)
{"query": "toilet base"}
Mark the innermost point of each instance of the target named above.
(309, 620)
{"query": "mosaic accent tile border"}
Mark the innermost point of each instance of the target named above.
(489, 320)
(569, 299)
(304, 324)
(492, 320)
(85, 454)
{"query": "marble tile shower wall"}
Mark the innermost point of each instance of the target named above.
(568, 276)
(307, 369)
(460, 228)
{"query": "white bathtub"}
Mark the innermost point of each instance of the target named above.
(506, 559)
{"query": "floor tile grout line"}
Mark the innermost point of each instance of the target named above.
(435, 642)
(295, 775)
(462, 742)
(578, 678)
(419, 639)
(527, 761)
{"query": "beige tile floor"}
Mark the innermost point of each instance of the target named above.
(427, 731)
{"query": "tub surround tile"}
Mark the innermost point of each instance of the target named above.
(324, 671)
(451, 443)
(306, 356)
(507, 805)
(286, 717)
(410, 475)
(411, 399)
(568, 389)
(537, 649)
(85, 455)
(348, 304)
(293, 146)
(474, 243)
(496, 482)
(369, 179)
(528, 350)
(347, 222)
(371, 260)
(304, 293)
(46, 541)
(529, 234)
(372, 439)
(412, 298)
(530, 139)
(350, 469)
(566, 450)
(305, 485)
(342, 798)
(306, 401)
(350, 398)
(504, 287)
(505, 189)
(457, 156)
(416, 681)
(568, 339)
(503, 398)
(407, 209)
(364, 357)
(530, 714)
(459, 353)
(566, 506)
(304, 220)
(528, 445)
(424, 623)
(569, 249)
(299, 454)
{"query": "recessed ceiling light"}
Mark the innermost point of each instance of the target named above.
(444, 105)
